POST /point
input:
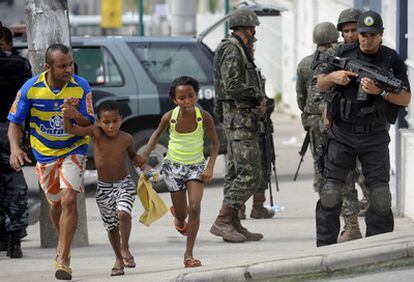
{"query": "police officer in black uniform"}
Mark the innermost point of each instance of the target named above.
(14, 71)
(360, 126)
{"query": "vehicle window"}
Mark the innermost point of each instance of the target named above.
(97, 66)
(165, 62)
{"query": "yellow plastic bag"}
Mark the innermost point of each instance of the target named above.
(154, 206)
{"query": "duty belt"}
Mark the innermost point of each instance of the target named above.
(360, 128)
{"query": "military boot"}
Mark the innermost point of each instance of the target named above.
(14, 249)
(258, 210)
(242, 212)
(224, 228)
(242, 230)
(3, 245)
(351, 229)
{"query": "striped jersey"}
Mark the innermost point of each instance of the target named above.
(48, 138)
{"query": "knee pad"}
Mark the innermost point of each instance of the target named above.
(331, 195)
(380, 199)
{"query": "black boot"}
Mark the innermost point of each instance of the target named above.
(14, 250)
(3, 245)
(327, 225)
(378, 224)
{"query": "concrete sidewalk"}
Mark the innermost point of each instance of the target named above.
(288, 246)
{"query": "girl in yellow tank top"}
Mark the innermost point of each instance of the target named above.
(184, 167)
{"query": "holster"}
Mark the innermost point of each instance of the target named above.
(332, 105)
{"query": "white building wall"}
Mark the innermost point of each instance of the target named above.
(406, 197)
(389, 18)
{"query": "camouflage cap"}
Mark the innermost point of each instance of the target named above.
(350, 15)
(325, 33)
(244, 18)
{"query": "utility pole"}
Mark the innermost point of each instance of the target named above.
(183, 18)
(47, 23)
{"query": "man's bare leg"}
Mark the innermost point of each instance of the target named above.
(54, 213)
(67, 225)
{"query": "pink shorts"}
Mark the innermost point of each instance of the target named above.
(64, 173)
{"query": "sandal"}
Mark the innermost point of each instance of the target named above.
(129, 262)
(58, 253)
(117, 271)
(63, 272)
(182, 230)
(191, 262)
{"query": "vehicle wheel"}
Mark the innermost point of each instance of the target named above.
(155, 160)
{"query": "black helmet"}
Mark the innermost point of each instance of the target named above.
(244, 18)
(325, 33)
(350, 15)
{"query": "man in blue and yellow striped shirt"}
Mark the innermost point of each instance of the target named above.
(60, 156)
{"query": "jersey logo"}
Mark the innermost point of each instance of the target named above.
(56, 127)
(13, 108)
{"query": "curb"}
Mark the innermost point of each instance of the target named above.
(326, 261)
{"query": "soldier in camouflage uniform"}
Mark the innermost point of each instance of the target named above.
(258, 210)
(309, 100)
(13, 188)
(239, 104)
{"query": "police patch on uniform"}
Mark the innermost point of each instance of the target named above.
(13, 108)
(89, 105)
(369, 21)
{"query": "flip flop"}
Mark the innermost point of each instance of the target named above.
(192, 262)
(58, 253)
(182, 230)
(117, 271)
(129, 262)
(63, 272)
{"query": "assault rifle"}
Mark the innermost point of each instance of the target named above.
(383, 78)
(268, 150)
(302, 153)
(266, 140)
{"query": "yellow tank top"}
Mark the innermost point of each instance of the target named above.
(186, 148)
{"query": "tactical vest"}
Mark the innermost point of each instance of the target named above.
(251, 77)
(315, 101)
(376, 111)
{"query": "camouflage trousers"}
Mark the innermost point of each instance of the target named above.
(14, 214)
(244, 170)
(350, 202)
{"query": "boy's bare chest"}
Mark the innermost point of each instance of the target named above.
(112, 148)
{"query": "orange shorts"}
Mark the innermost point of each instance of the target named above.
(64, 173)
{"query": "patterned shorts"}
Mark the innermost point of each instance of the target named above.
(113, 197)
(176, 174)
(63, 173)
